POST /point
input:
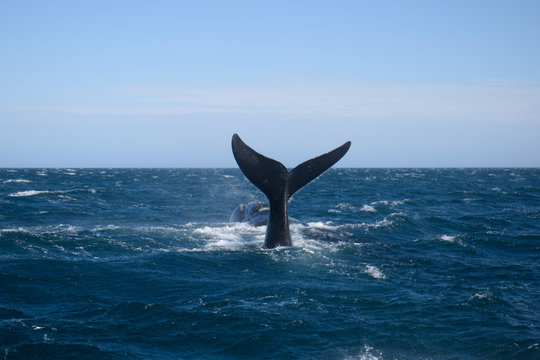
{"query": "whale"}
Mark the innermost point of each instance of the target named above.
(278, 185)
(254, 213)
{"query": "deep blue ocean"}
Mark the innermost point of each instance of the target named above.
(386, 264)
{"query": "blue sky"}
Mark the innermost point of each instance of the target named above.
(167, 83)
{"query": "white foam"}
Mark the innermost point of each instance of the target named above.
(39, 192)
(236, 236)
(20, 229)
(368, 208)
(453, 239)
(345, 206)
(106, 227)
(66, 197)
(29, 193)
(481, 296)
(163, 228)
(367, 354)
(327, 225)
(230, 236)
(385, 222)
(17, 181)
(374, 272)
(223, 232)
(390, 202)
(381, 223)
(448, 238)
(64, 228)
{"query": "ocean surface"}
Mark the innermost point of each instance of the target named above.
(386, 264)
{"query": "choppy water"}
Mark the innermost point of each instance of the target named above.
(387, 264)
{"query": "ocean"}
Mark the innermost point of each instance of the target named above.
(385, 264)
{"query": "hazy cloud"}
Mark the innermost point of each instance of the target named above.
(482, 102)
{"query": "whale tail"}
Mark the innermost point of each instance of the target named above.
(278, 184)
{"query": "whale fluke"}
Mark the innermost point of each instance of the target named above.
(273, 179)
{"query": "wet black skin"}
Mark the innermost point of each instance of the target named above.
(278, 184)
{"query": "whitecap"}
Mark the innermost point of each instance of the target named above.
(367, 354)
(29, 193)
(17, 181)
(368, 208)
(345, 207)
(400, 202)
(40, 192)
(63, 228)
(231, 236)
(381, 223)
(447, 238)
(374, 272)
(66, 197)
(481, 297)
(327, 225)
(385, 222)
(20, 229)
(163, 228)
(390, 202)
(106, 227)
(454, 239)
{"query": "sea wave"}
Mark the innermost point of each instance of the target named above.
(367, 353)
(26, 193)
(16, 181)
(374, 272)
(388, 221)
(230, 236)
(368, 208)
(371, 207)
(32, 193)
(152, 269)
(453, 239)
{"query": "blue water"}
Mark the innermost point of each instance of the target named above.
(386, 264)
